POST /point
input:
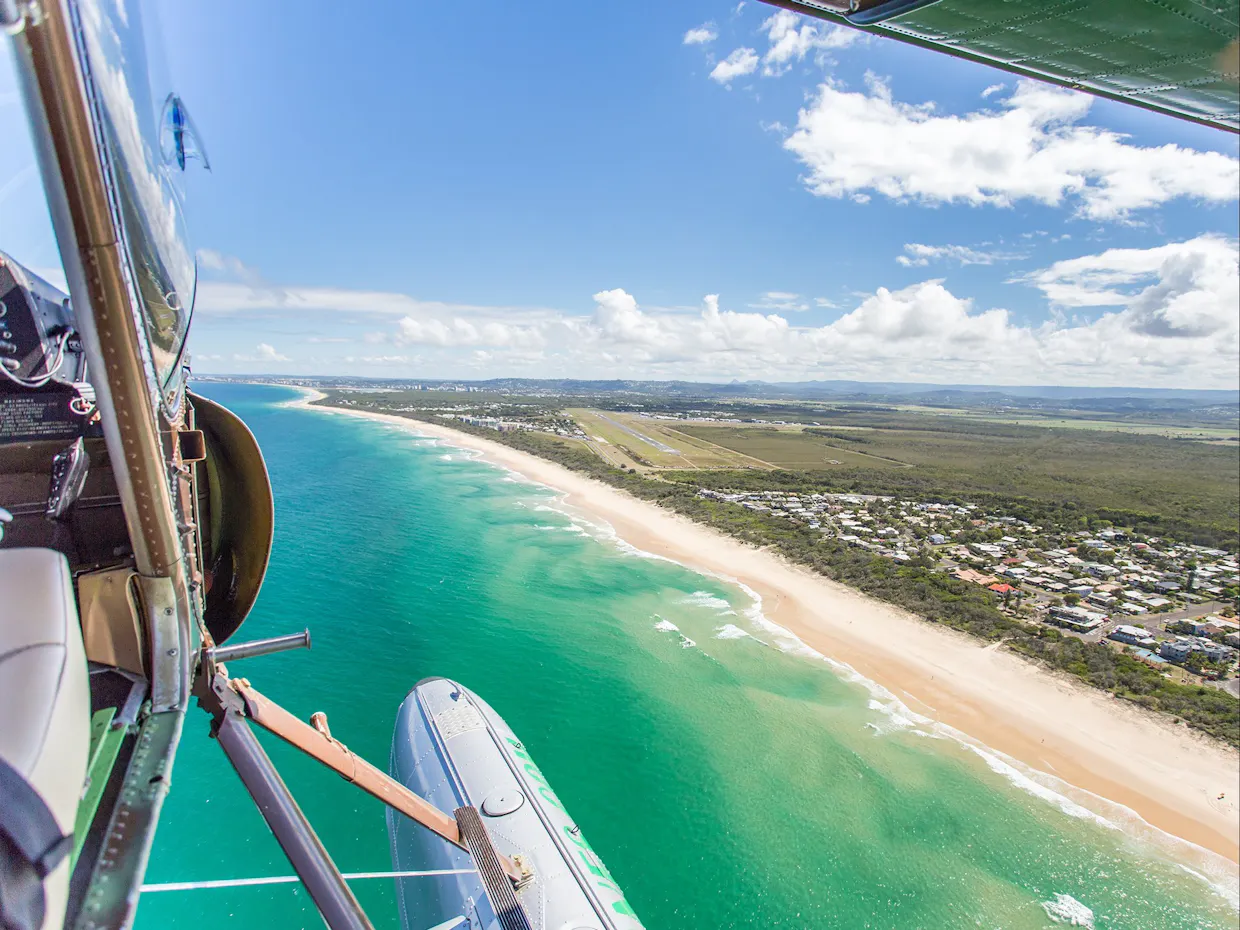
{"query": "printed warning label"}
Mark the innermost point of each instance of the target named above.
(28, 417)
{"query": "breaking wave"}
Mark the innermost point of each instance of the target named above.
(1066, 909)
(706, 599)
(666, 626)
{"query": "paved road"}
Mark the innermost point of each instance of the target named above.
(662, 447)
(1190, 613)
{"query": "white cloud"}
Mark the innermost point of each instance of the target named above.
(919, 255)
(225, 265)
(858, 143)
(993, 89)
(793, 36)
(618, 319)
(924, 313)
(1179, 290)
(458, 331)
(263, 352)
(701, 35)
(742, 61)
(1165, 316)
(384, 360)
(790, 38)
(220, 298)
(782, 301)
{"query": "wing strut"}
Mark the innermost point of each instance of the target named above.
(233, 702)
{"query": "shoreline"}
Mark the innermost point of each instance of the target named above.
(1082, 744)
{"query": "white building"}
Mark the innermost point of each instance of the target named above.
(1135, 635)
(1177, 650)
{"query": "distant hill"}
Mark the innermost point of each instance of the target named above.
(946, 395)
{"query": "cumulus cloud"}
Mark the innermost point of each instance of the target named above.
(917, 254)
(742, 61)
(701, 35)
(793, 36)
(922, 312)
(263, 352)
(1164, 316)
(619, 320)
(1179, 290)
(859, 143)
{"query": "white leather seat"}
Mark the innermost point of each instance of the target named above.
(44, 692)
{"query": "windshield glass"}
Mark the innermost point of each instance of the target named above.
(152, 215)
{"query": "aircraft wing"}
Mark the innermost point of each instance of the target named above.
(1174, 56)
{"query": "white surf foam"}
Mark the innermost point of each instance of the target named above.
(706, 599)
(894, 719)
(666, 626)
(731, 631)
(1001, 765)
(1066, 909)
(901, 718)
(1217, 873)
(570, 528)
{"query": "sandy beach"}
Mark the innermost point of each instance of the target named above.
(1096, 750)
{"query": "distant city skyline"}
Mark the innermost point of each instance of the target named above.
(708, 192)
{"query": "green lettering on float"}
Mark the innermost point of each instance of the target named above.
(550, 798)
(544, 789)
(594, 865)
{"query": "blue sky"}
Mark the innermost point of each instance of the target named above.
(555, 189)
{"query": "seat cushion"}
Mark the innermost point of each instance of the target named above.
(44, 690)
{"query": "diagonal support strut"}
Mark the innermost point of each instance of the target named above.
(337, 756)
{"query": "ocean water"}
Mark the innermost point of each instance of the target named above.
(728, 777)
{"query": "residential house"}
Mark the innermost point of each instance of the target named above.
(1134, 635)
(1177, 650)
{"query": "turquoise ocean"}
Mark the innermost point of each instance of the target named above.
(727, 778)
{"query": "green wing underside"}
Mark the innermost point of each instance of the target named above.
(1175, 56)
